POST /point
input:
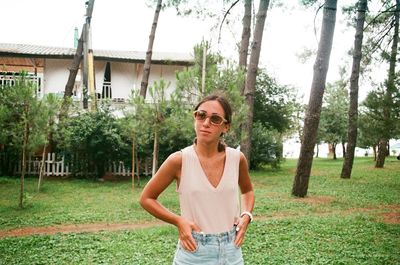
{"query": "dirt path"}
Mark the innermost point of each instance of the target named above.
(388, 214)
(75, 228)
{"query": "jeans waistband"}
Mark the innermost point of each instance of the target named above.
(223, 237)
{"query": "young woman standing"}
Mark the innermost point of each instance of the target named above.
(209, 176)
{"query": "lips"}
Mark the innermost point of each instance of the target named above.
(205, 132)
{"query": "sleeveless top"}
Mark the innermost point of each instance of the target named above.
(213, 209)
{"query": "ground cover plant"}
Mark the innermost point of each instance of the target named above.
(355, 221)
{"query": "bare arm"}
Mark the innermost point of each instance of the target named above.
(169, 170)
(247, 198)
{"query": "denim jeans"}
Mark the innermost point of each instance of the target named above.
(212, 249)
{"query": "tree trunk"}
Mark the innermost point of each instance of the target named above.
(147, 63)
(311, 122)
(374, 149)
(391, 88)
(24, 149)
(203, 69)
(137, 168)
(317, 147)
(244, 43)
(380, 159)
(133, 163)
(344, 149)
(251, 78)
(334, 151)
(155, 153)
(41, 170)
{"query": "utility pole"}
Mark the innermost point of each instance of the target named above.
(88, 87)
(73, 69)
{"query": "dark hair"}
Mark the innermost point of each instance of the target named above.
(221, 100)
(227, 109)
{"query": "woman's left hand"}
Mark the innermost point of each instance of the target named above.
(241, 228)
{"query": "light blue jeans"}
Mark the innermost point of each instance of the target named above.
(212, 249)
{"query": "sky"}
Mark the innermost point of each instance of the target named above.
(125, 25)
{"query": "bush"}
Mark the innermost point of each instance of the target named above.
(266, 147)
(93, 139)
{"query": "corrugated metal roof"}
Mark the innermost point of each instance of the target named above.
(36, 51)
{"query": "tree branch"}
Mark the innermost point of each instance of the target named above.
(223, 19)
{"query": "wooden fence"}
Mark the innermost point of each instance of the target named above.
(58, 167)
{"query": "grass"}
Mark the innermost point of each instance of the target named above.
(340, 222)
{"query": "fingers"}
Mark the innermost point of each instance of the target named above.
(185, 235)
(188, 242)
(239, 238)
(241, 228)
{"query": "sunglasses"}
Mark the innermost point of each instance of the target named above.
(215, 119)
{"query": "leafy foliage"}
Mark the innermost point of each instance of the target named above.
(93, 139)
(21, 112)
(333, 123)
(274, 104)
(266, 147)
(372, 123)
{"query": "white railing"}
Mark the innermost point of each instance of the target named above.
(58, 167)
(10, 80)
(107, 90)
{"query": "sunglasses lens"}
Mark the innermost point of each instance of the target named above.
(200, 115)
(215, 119)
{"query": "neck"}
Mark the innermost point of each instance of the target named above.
(205, 149)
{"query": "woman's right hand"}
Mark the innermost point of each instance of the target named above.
(185, 228)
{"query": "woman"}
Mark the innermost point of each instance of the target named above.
(208, 175)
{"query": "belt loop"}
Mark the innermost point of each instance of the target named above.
(203, 238)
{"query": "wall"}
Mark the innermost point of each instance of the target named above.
(56, 75)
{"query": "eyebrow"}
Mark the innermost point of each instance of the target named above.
(212, 112)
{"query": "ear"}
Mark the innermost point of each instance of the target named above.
(227, 126)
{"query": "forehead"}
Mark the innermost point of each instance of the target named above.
(212, 106)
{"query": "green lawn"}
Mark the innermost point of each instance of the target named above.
(340, 222)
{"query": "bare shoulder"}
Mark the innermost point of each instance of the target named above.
(242, 158)
(175, 159)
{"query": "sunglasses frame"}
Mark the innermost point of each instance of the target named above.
(209, 116)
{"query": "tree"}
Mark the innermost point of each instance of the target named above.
(50, 107)
(372, 119)
(92, 140)
(221, 77)
(300, 184)
(251, 77)
(332, 127)
(22, 122)
(368, 130)
(353, 106)
(244, 43)
(149, 52)
(390, 89)
(274, 117)
(274, 104)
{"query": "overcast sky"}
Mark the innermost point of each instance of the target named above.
(125, 25)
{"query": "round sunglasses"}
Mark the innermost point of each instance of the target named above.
(215, 119)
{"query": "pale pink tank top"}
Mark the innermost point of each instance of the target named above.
(213, 209)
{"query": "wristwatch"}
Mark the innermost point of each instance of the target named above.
(248, 214)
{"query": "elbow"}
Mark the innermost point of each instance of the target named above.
(142, 201)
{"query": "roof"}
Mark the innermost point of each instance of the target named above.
(36, 51)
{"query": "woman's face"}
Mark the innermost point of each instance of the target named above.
(205, 130)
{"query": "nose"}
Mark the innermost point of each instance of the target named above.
(206, 122)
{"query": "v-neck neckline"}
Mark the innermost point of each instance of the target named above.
(205, 177)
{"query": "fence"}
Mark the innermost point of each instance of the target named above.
(58, 167)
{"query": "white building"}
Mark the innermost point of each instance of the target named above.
(116, 72)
